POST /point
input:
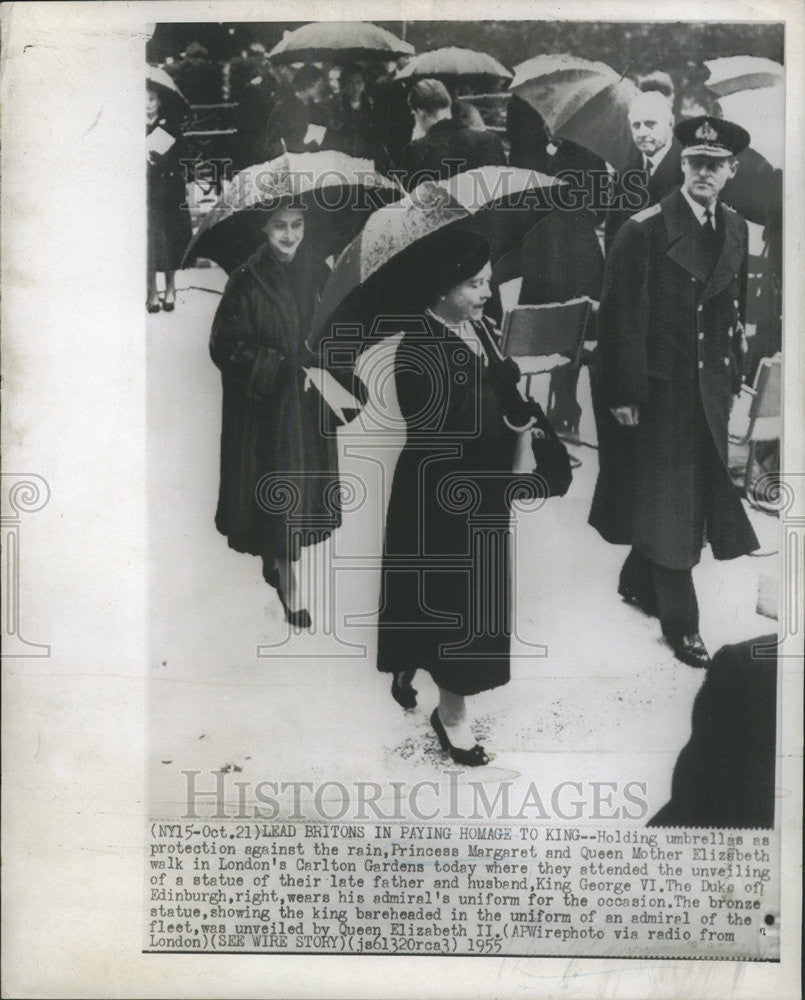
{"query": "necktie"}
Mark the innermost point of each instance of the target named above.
(710, 231)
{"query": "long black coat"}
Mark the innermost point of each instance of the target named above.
(669, 341)
(445, 601)
(279, 464)
(169, 228)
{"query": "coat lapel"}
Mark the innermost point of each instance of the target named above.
(733, 249)
(685, 244)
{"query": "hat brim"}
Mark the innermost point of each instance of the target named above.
(717, 152)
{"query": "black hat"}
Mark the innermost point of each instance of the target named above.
(449, 257)
(710, 136)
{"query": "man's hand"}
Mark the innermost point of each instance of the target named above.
(627, 416)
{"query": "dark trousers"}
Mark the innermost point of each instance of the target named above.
(667, 593)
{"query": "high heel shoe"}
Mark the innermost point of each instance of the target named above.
(403, 694)
(298, 619)
(475, 757)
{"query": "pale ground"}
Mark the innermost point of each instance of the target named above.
(608, 702)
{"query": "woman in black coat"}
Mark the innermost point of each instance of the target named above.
(445, 602)
(279, 463)
(169, 229)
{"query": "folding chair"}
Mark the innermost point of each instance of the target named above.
(764, 417)
(540, 331)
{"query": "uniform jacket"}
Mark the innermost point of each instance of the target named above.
(669, 341)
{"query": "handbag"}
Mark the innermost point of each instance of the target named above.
(552, 473)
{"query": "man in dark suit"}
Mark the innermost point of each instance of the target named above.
(447, 147)
(655, 170)
(289, 127)
(670, 342)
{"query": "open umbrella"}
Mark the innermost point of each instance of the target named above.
(585, 102)
(453, 62)
(336, 190)
(731, 74)
(339, 41)
(762, 114)
(500, 203)
(173, 101)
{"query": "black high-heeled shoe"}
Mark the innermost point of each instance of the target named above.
(298, 619)
(404, 694)
(475, 757)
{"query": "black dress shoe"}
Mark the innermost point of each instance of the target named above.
(152, 307)
(169, 306)
(475, 757)
(690, 649)
(402, 691)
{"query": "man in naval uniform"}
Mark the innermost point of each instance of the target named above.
(670, 340)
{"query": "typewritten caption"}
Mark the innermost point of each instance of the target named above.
(513, 890)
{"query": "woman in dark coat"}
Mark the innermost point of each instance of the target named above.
(169, 229)
(445, 603)
(279, 465)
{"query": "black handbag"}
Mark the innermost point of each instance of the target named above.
(552, 473)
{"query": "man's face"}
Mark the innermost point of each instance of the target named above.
(705, 176)
(652, 123)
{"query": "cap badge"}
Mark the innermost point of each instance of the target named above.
(706, 132)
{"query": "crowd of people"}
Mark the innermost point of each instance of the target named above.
(670, 274)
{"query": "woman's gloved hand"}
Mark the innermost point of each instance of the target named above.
(505, 376)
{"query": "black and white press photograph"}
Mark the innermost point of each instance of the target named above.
(403, 514)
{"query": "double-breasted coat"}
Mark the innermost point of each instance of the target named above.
(279, 461)
(669, 342)
(445, 593)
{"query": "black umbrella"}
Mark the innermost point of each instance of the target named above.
(337, 192)
(339, 41)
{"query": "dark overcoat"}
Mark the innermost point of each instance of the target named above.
(628, 198)
(450, 148)
(445, 581)
(279, 462)
(669, 341)
(169, 228)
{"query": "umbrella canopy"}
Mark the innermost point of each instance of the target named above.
(453, 62)
(339, 41)
(736, 73)
(499, 203)
(336, 190)
(171, 98)
(762, 114)
(585, 102)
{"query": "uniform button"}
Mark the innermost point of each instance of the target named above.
(699, 308)
(701, 336)
(701, 364)
(726, 361)
(735, 303)
(729, 333)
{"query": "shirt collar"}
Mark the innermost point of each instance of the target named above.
(656, 158)
(696, 207)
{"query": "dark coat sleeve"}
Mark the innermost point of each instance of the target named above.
(623, 318)
(237, 346)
